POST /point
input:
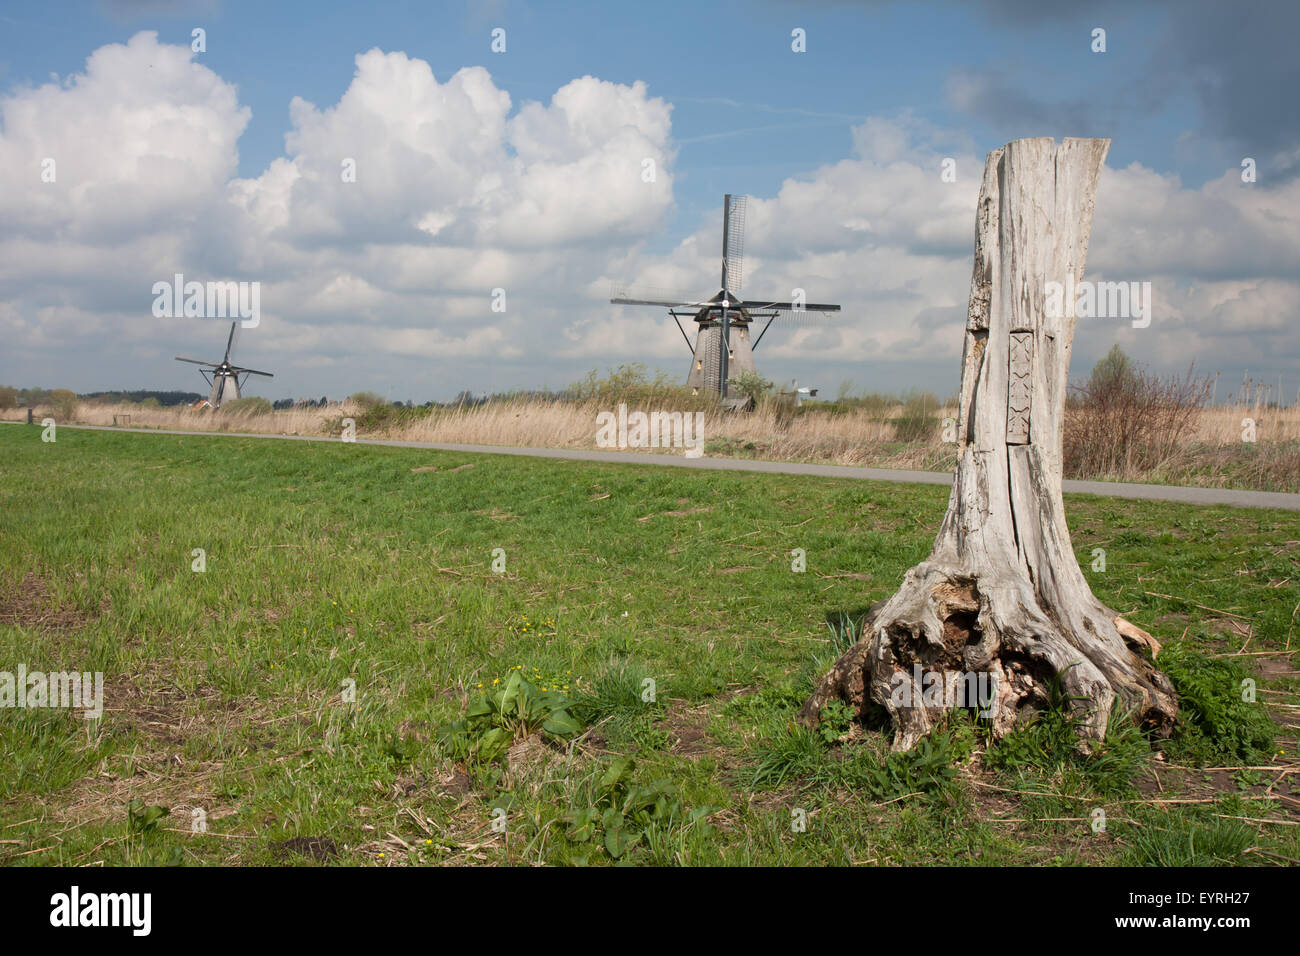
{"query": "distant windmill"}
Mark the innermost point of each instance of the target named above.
(224, 378)
(712, 364)
(800, 393)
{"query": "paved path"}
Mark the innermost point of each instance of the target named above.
(1114, 489)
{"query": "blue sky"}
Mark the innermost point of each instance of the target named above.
(1184, 90)
(746, 113)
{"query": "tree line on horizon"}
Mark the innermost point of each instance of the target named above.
(1114, 374)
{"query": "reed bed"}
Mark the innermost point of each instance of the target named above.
(1200, 446)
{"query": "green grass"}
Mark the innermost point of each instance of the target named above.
(1188, 841)
(333, 566)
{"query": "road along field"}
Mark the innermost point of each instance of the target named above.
(1211, 452)
(334, 653)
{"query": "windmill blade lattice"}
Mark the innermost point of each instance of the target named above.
(811, 313)
(735, 252)
(621, 294)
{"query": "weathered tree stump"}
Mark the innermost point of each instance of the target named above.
(1002, 596)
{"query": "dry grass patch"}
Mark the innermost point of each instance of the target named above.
(31, 605)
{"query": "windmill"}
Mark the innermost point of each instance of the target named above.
(722, 338)
(225, 379)
(800, 393)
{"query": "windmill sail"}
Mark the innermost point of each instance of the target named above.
(734, 253)
(622, 294)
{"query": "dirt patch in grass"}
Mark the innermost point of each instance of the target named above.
(1000, 804)
(422, 731)
(993, 804)
(320, 849)
(1200, 785)
(148, 703)
(689, 729)
(1228, 627)
(31, 605)
(456, 783)
(530, 756)
(780, 801)
(408, 785)
(164, 718)
(162, 779)
(1276, 668)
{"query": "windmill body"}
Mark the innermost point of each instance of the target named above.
(706, 358)
(724, 342)
(225, 388)
(223, 378)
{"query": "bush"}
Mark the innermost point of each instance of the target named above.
(918, 421)
(247, 407)
(1125, 423)
(65, 403)
(382, 416)
(367, 400)
(631, 385)
(1115, 371)
(749, 385)
(8, 397)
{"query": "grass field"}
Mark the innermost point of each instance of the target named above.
(331, 566)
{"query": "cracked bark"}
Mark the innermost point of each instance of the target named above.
(1002, 593)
